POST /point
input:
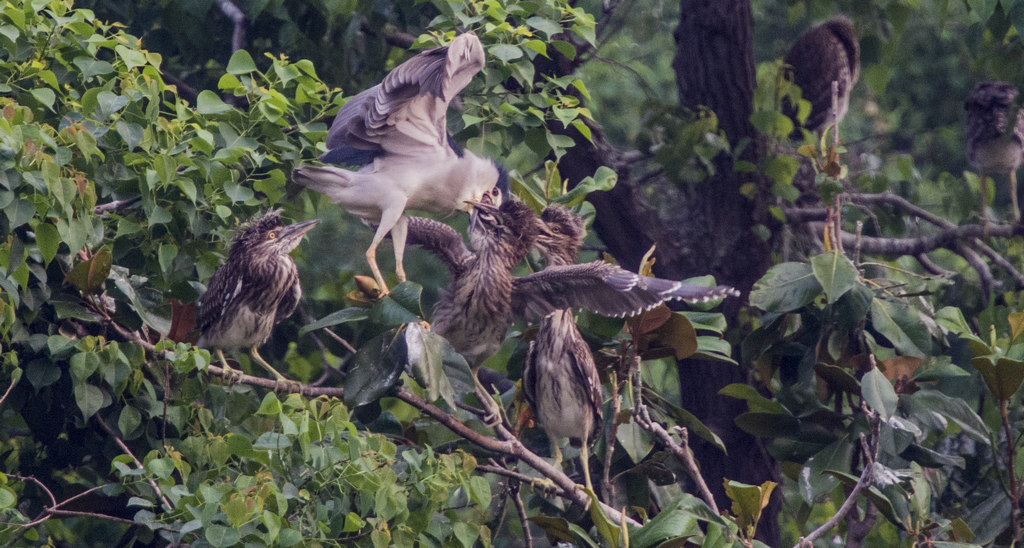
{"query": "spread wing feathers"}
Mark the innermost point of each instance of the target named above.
(602, 288)
(409, 108)
(441, 240)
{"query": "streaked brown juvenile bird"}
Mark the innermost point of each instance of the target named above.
(255, 289)
(479, 305)
(560, 379)
(396, 133)
(994, 129)
(827, 53)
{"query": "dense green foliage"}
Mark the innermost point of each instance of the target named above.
(120, 192)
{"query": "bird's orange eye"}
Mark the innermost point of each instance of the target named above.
(556, 230)
(272, 235)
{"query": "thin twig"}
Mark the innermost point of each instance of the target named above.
(121, 444)
(870, 451)
(237, 17)
(513, 491)
(9, 388)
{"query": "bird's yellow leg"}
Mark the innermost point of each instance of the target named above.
(1013, 196)
(398, 234)
(288, 384)
(389, 218)
(371, 259)
(229, 373)
(492, 414)
(585, 462)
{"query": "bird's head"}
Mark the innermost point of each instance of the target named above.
(990, 95)
(561, 234)
(510, 228)
(268, 236)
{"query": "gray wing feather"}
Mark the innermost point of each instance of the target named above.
(602, 288)
(417, 91)
(441, 240)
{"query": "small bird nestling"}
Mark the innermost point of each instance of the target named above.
(255, 289)
(827, 53)
(994, 146)
(396, 133)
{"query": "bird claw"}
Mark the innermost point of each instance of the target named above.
(285, 385)
(547, 485)
(424, 324)
(230, 374)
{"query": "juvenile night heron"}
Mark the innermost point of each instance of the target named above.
(560, 378)
(479, 305)
(396, 133)
(993, 144)
(827, 53)
(255, 289)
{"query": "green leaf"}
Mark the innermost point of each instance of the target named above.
(48, 240)
(89, 399)
(785, 287)
(128, 420)
(345, 315)
(1002, 376)
(374, 371)
(547, 26)
(209, 103)
(836, 274)
(748, 501)
(954, 409)
(434, 364)
(813, 483)
(240, 63)
(505, 52)
(221, 536)
(83, 365)
(877, 391)
(7, 498)
(678, 519)
(607, 528)
(166, 254)
(44, 96)
(88, 276)
(902, 326)
(604, 179)
(270, 405)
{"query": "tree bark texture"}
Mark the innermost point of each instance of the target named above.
(700, 228)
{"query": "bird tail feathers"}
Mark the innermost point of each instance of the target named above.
(327, 180)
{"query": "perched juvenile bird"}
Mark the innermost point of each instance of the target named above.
(560, 378)
(827, 53)
(993, 144)
(396, 134)
(255, 289)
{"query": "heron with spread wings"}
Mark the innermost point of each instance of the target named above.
(479, 305)
(396, 134)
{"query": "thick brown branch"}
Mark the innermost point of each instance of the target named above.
(237, 17)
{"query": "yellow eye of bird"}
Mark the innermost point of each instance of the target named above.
(272, 235)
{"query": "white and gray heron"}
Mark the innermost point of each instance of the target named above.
(396, 133)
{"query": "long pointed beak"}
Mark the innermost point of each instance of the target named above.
(297, 230)
(474, 214)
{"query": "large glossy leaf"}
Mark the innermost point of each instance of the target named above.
(436, 365)
(813, 482)
(677, 520)
(878, 393)
(785, 287)
(954, 409)
(89, 275)
(683, 418)
(902, 326)
(374, 369)
(835, 272)
(400, 306)
(345, 315)
(748, 501)
(1002, 376)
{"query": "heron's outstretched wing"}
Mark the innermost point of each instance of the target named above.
(602, 288)
(407, 112)
(441, 240)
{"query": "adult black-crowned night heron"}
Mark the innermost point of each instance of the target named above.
(396, 132)
(993, 144)
(256, 288)
(827, 53)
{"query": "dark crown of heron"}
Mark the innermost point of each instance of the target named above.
(263, 235)
(562, 234)
(510, 229)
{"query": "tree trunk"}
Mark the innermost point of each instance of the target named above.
(702, 228)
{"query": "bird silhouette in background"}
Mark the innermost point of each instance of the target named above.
(396, 134)
(993, 144)
(560, 379)
(255, 289)
(824, 54)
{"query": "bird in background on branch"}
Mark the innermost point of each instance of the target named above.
(824, 54)
(396, 134)
(994, 129)
(255, 289)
